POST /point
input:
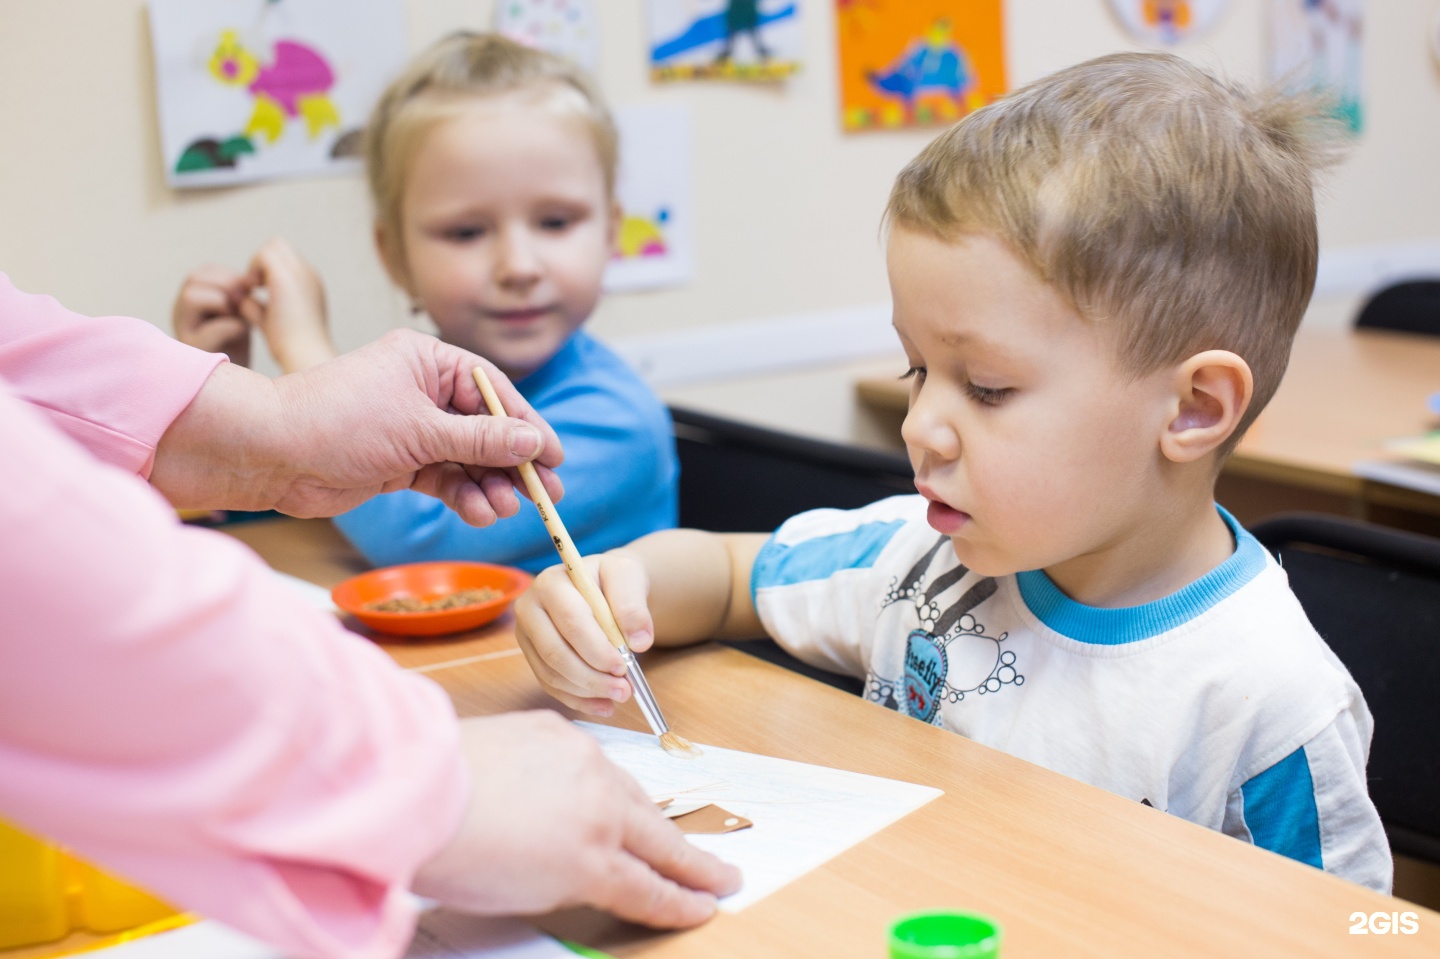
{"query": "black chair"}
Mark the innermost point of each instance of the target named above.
(1410, 307)
(740, 478)
(1373, 593)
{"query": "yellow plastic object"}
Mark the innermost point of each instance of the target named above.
(46, 894)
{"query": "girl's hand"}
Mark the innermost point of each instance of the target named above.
(207, 313)
(564, 644)
(286, 302)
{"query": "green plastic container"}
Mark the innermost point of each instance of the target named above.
(944, 935)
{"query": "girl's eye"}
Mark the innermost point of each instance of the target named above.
(556, 224)
(988, 396)
(464, 234)
(914, 372)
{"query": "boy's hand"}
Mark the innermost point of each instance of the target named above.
(207, 313)
(564, 644)
(290, 311)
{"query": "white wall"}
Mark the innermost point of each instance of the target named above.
(787, 205)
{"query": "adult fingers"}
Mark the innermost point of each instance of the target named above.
(656, 841)
(548, 479)
(631, 890)
(452, 485)
(493, 441)
(467, 399)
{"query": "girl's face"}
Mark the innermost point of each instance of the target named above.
(506, 228)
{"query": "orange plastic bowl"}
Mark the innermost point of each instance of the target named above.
(429, 581)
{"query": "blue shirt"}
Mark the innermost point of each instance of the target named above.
(620, 475)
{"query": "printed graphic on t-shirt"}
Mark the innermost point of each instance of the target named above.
(950, 655)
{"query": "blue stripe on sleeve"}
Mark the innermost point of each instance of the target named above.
(780, 565)
(1279, 809)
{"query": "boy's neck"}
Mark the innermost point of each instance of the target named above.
(1163, 551)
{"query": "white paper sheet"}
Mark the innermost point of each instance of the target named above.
(804, 815)
(442, 935)
(317, 596)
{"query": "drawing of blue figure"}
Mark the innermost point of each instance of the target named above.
(934, 64)
(742, 16)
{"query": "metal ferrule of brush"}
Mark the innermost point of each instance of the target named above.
(643, 697)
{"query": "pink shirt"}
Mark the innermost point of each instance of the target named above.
(169, 709)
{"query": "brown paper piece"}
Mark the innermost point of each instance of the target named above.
(711, 819)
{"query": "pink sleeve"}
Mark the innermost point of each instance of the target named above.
(170, 710)
(114, 384)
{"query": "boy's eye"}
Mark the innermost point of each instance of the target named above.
(986, 395)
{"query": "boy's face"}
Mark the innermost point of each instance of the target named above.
(1033, 449)
(506, 229)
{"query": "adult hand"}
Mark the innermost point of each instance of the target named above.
(207, 313)
(552, 823)
(379, 419)
(290, 312)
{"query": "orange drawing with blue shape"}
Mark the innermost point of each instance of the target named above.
(915, 63)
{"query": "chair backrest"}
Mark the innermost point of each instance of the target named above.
(735, 477)
(1373, 593)
(739, 478)
(1411, 307)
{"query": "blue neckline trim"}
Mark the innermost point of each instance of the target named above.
(1130, 624)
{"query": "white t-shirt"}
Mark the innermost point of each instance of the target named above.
(1219, 703)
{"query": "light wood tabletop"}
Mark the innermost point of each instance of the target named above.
(1345, 393)
(1067, 869)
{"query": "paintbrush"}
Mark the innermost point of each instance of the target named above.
(570, 556)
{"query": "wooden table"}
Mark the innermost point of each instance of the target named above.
(1069, 870)
(1346, 392)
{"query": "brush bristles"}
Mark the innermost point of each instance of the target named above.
(679, 746)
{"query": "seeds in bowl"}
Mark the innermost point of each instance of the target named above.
(414, 604)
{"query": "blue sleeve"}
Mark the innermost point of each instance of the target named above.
(784, 564)
(619, 474)
(1280, 810)
(1313, 806)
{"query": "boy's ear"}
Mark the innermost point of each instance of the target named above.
(1212, 391)
(392, 260)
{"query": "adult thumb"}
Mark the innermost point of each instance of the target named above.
(488, 441)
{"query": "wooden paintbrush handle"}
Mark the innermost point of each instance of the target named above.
(569, 555)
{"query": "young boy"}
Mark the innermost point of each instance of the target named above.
(1096, 282)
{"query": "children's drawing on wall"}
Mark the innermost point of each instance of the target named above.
(1167, 21)
(910, 63)
(1315, 44)
(654, 245)
(566, 27)
(724, 39)
(253, 89)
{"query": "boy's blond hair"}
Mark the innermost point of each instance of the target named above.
(446, 77)
(1174, 208)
